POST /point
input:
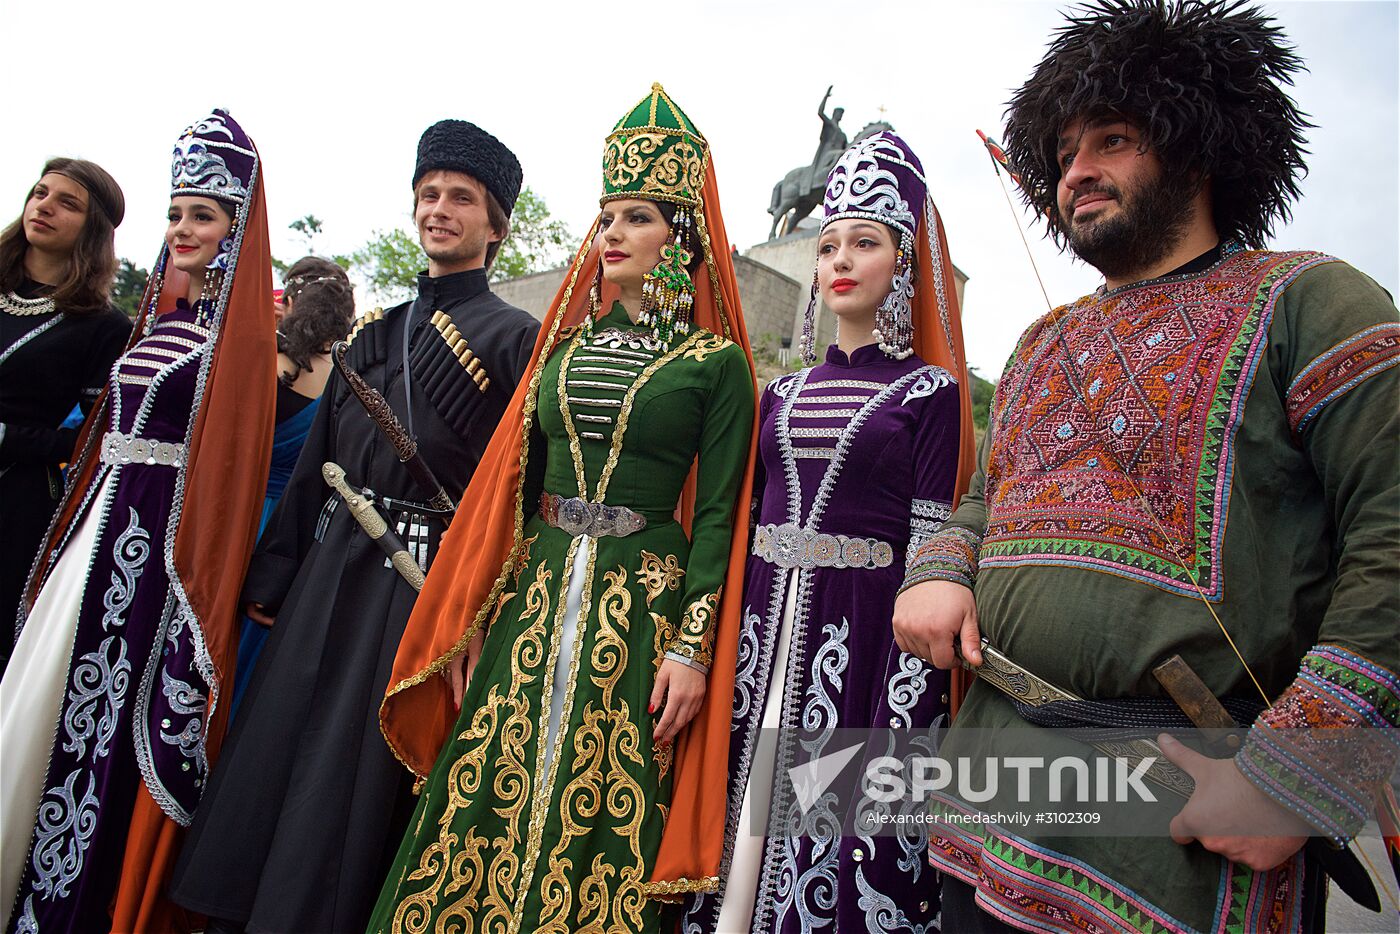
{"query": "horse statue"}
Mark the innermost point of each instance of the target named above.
(801, 189)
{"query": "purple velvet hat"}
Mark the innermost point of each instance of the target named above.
(214, 158)
(879, 178)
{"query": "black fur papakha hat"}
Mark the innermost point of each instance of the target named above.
(1203, 80)
(459, 146)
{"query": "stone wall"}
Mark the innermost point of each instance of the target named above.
(769, 298)
(534, 292)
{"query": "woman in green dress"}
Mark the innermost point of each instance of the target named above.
(583, 600)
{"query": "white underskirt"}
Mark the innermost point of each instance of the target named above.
(31, 698)
(575, 615)
(741, 886)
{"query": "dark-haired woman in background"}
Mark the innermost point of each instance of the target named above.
(319, 307)
(58, 338)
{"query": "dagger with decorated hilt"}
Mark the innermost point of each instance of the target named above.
(405, 448)
(1343, 865)
(361, 506)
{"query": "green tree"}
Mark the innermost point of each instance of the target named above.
(981, 403)
(309, 228)
(390, 263)
(391, 260)
(129, 286)
(536, 242)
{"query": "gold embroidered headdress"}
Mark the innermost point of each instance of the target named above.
(655, 152)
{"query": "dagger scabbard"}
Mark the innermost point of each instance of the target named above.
(405, 448)
(1015, 681)
(374, 525)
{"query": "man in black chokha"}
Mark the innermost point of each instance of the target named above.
(307, 804)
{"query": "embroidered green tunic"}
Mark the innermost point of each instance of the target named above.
(1253, 404)
(544, 811)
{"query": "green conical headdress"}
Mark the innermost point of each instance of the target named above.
(656, 153)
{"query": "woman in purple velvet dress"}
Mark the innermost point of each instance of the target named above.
(859, 459)
(114, 702)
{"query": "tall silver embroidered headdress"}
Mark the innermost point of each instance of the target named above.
(879, 179)
(214, 158)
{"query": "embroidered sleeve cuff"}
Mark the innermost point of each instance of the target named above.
(1328, 742)
(950, 555)
(926, 518)
(695, 641)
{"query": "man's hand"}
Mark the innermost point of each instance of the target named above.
(1228, 815)
(258, 614)
(677, 695)
(930, 617)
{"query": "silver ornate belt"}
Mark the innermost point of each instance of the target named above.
(791, 546)
(577, 516)
(121, 448)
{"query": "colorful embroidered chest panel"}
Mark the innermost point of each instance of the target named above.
(1114, 425)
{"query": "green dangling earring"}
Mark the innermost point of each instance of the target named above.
(668, 292)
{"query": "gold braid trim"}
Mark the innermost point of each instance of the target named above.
(672, 890)
(710, 268)
(488, 606)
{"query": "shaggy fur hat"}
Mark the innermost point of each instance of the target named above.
(459, 146)
(1204, 82)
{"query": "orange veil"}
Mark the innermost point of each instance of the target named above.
(938, 339)
(482, 547)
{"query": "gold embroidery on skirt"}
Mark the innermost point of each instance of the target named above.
(548, 776)
(604, 744)
(455, 866)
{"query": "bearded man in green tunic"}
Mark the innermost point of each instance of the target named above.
(1196, 459)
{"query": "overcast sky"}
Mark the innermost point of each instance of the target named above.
(336, 96)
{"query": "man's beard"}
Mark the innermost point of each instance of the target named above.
(1151, 221)
(466, 250)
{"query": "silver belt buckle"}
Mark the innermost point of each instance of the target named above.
(580, 517)
(121, 448)
(791, 546)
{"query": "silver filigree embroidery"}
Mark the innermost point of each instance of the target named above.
(907, 686)
(61, 835)
(181, 696)
(132, 548)
(615, 338)
(930, 381)
(96, 678)
(184, 700)
(881, 913)
(859, 185)
(26, 923)
(782, 385)
(926, 517)
(747, 667)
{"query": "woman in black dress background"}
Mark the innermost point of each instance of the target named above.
(59, 336)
